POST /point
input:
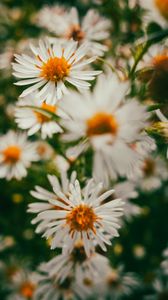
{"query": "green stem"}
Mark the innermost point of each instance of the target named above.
(43, 111)
(153, 38)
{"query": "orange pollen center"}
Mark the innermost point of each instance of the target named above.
(81, 218)
(12, 154)
(43, 118)
(75, 32)
(55, 69)
(162, 6)
(102, 123)
(160, 61)
(27, 289)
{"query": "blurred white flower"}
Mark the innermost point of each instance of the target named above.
(108, 124)
(93, 267)
(66, 25)
(150, 173)
(23, 285)
(51, 67)
(16, 155)
(49, 288)
(44, 150)
(28, 117)
(156, 11)
(156, 58)
(117, 284)
(78, 215)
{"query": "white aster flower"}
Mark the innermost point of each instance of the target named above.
(49, 288)
(118, 283)
(49, 199)
(66, 25)
(78, 215)
(150, 173)
(33, 120)
(93, 267)
(53, 66)
(156, 11)
(44, 150)
(23, 285)
(108, 124)
(16, 155)
(156, 58)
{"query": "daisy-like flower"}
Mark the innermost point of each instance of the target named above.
(66, 25)
(38, 117)
(23, 286)
(44, 150)
(108, 124)
(150, 173)
(156, 59)
(49, 288)
(16, 155)
(156, 11)
(51, 67)
(93, 267)
(49, 199)
(78, 215)
(118, 283)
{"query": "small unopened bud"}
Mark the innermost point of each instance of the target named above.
(159, 128)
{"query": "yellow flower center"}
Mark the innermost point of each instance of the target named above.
(55, 69)
(102, 123)
(41, 118)
(12, 154)
(160, 61)
(81, 218)
(75, 32)
(27, 289)
(162, 6)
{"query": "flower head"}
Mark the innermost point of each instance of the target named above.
(93, 267)
(34, 114)
(51, 288)
(109, 124)
(78, 215)
(16, 155)
(150, 173)
(52, 67)
(156, 11)
(118, 283)
(66, 25)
